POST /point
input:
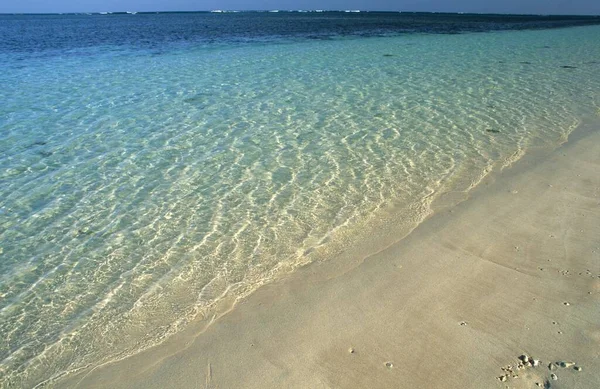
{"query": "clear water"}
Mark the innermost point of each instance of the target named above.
(143, 177)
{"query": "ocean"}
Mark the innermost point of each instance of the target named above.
(155, 164)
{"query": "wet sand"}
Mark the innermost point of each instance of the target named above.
(513, 270)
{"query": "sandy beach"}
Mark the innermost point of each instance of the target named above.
(513, 270)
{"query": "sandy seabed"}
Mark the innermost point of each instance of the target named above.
(513, 270)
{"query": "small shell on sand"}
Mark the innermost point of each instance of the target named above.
(553, 376)
(565, 364)
(351, 350)
(578, 368)
(566, 303)
(389, 365)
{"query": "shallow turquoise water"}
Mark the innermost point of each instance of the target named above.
(136, 188)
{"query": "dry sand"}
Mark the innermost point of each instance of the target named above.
(514, 269)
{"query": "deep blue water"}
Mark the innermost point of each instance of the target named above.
(35, 33)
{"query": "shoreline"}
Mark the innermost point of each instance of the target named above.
(462, 296)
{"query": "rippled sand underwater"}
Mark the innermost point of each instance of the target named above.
(138, 189)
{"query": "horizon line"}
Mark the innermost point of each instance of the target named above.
(292, 11)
